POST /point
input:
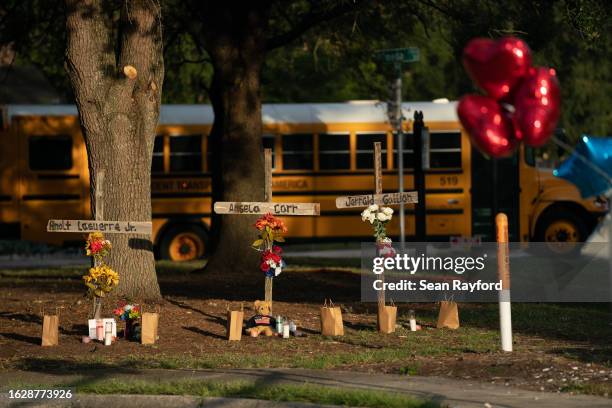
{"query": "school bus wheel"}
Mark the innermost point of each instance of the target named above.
(184, 242)
(563, 229)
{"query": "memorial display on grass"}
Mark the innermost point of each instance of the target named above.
(100, 280)
(378, 215)
(270, 228)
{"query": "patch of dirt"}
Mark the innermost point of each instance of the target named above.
(192, 329)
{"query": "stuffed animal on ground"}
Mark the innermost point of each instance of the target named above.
(262, 322)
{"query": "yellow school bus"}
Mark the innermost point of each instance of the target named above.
(320, 151)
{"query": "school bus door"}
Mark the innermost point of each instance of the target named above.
(53, 172)
(9, 182)
(495, 188)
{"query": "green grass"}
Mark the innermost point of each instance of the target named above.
(281, 392)
(282, 354)
(592, 389)
(412, 369)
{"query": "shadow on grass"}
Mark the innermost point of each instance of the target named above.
(21, 337)
(65, 366)
(359, 326)
(22, 317)
(76, 330)
(197, 330)
(598, 355)
(185, 306)
(88, 372)
(288, 287)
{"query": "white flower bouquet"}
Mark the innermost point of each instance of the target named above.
(378, 216)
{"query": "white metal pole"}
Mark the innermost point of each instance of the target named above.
(503, 273)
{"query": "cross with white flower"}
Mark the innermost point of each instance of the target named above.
(377, 212)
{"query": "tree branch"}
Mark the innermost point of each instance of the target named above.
(311, 19)
(447, 11)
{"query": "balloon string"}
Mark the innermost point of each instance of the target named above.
(592, 165)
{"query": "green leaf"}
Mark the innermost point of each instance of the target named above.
(279, 239)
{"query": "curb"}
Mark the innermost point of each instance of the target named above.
(153, 401)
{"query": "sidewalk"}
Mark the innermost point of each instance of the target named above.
(454, 393)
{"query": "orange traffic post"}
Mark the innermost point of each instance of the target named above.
(503, 274)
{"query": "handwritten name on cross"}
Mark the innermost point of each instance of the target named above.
(249, 208)
(99, 224)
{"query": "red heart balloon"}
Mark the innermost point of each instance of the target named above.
(536, 106)
(497, 66)
(488, 125)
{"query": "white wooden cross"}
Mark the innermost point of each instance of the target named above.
(249, 208)
(99, 225)
(408, 197)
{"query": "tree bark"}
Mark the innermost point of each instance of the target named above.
(235, 42)
(119, 114)
(235, 35)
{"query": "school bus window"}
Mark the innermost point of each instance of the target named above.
(186, 153)
(208, 152)
(157, 166)
(334, 152)
(407, 147)
(445, 150)
(297, 152)
(365, 148)
(267, 142)
(50, 152)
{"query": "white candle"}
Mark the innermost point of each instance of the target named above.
(413, 325)
(108, 334)
(286, 331)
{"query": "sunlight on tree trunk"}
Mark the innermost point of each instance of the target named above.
(117, 83)
(238, 173)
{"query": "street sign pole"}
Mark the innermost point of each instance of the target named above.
(400, 150)
(399, 56)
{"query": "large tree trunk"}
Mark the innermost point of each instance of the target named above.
(237, 161)
(119, 113)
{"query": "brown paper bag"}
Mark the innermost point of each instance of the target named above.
(449, 315)
(331, 320)
(235, 319)
(149, 328)
(50, 331)
(386, 318)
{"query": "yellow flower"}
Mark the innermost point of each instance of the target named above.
(101, 279)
